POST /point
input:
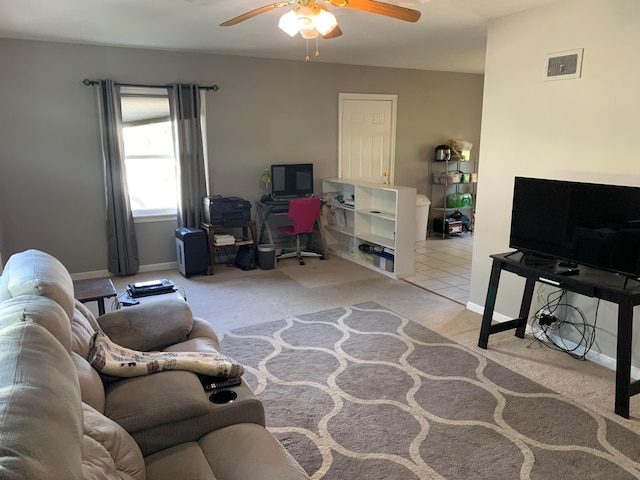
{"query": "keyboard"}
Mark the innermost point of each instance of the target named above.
(278, 205)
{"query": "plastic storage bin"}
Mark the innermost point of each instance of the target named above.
(383, 260)
(422, 215)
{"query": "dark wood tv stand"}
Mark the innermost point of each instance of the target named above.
(590, 282)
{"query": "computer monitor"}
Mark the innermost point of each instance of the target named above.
(292, 180)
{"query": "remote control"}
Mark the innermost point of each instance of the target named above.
(214, 383)
(568, 272)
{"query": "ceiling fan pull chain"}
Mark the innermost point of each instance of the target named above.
(307, 59)
(317, 52)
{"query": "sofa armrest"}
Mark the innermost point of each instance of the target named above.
(202, 329)
(149, 326)
(246, 408)
(140, 403)
(169, 408)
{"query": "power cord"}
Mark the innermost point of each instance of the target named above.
(547, 323)
(183, 293)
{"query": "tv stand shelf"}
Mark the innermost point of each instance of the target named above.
(590, 282)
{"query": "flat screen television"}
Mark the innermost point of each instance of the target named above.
(590, 224)
(292, 180)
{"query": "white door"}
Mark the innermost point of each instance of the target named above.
(366, 139)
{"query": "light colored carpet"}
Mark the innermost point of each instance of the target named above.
(361, 392)
(233, 298)
(317, 274)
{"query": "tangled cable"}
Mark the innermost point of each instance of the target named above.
(547, 324)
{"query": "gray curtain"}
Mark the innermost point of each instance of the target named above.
(184, 102)
(121, 238)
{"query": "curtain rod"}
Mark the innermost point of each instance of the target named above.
(86, 82)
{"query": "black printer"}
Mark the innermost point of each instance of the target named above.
(219, 210)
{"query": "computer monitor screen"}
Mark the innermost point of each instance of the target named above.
(292, 180)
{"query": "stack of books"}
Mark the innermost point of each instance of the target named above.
(222, 239)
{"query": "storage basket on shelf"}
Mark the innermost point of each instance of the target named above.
(442, 178)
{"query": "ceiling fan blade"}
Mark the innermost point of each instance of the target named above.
(381, 8)
(336, 32)
(253, 13)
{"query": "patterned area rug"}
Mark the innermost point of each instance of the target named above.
(362, 393)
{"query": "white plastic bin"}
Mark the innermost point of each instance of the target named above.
(422, 216)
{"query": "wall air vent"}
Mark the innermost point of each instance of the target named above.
(563, 65)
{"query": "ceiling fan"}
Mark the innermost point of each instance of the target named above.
(314, 19)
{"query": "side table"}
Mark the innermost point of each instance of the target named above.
(94, 290)
(249, 235)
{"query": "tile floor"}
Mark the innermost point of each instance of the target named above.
(443, 266)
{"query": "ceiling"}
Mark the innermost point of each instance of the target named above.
(449, 36)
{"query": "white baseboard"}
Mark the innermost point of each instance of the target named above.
(158, 266)
(143, 268)
(592, 355)
(498, 317)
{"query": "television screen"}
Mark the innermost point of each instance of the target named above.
(590, 224)
(292, 180)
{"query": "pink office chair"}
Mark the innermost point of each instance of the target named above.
(303, 213)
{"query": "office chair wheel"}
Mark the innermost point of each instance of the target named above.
(301, 262)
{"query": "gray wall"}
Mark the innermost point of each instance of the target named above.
(266, 111)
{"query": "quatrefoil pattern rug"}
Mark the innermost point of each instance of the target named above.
(362, 393)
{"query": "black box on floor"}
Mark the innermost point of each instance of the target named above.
(245, 258)
(450, 226)
(192, 251)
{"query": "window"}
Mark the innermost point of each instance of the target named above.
(148, 149)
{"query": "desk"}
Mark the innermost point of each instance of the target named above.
(590, 282)
(267, 209)
(249, 235)
(94, 290)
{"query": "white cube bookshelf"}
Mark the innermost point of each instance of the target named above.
(375, 214)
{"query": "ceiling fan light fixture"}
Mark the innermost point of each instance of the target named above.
(308, 21)
(305, 12)
(309, 32)
(289, 23)
(324, 22)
